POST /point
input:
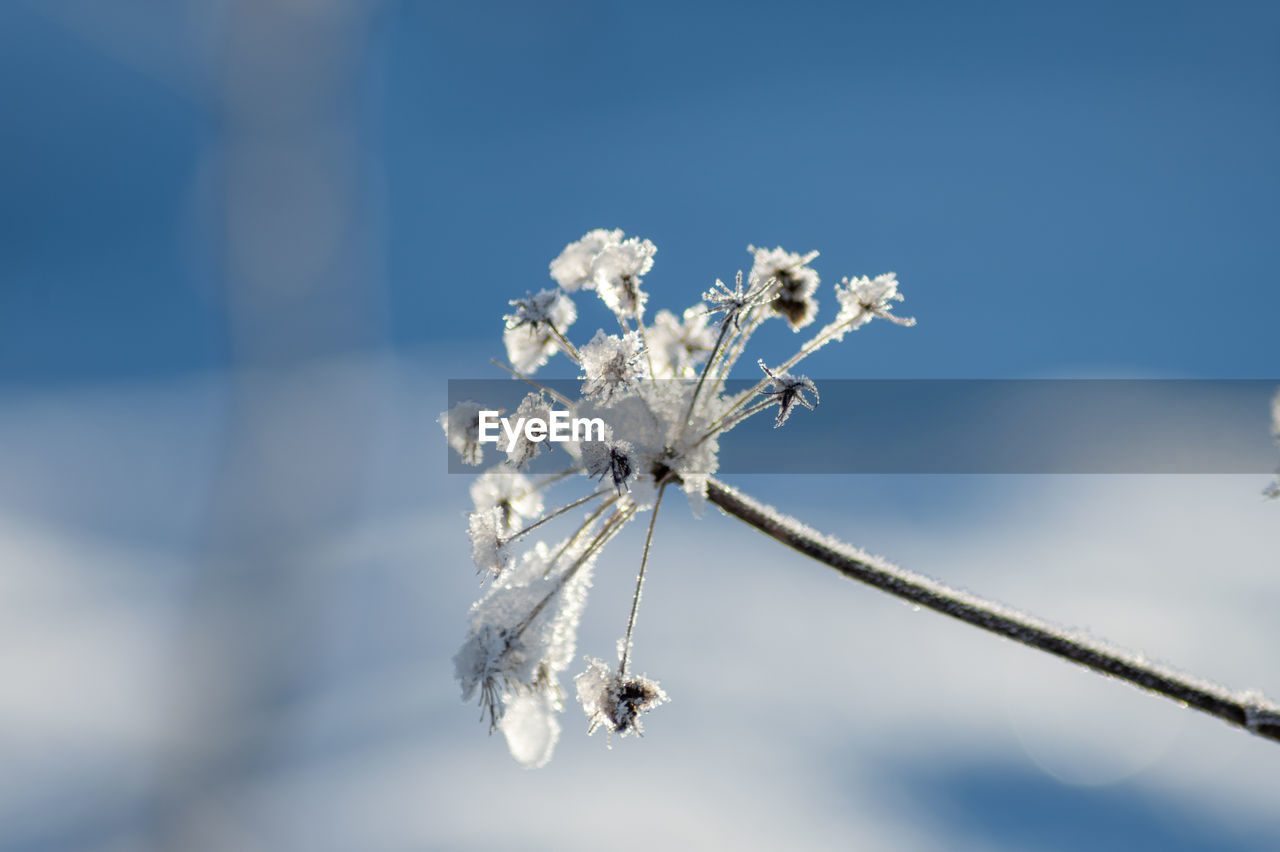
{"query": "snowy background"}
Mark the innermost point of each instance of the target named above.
(243, 246)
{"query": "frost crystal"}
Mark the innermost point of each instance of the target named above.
(531, 333)
(611, 365)
(864, 298)
(676, 346)
(461, 426)
(615, 701)
(735, 303)
(660, 430)
(788, 391)
(618, 271)
(575, 267)
(511, 493)
(524, 629)
(612, 459)
(488, 548)
(523, 450)
(795, 282)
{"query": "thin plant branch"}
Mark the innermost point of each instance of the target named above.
(557, 513)
(1246, 710)
(635, 600)
(556, 395)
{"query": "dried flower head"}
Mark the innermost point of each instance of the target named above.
(611, 460)
(489, 548)
(788, 391)
(677, 346)
(615, 701)
(794, 283)
(461, 426)
(575, 267)
(509, 492)
(657, 434)
(611, 365)
(864, 298)
(536, 328)
(618, 271)
(523, 450)
(736, 303)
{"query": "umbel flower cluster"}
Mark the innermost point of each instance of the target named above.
(659, 385)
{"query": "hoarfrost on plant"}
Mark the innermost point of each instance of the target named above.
(660, 391)
(612, 365)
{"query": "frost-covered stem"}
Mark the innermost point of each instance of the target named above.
(817, 342)
(644, 341)
(635, 600)
(706, 368)
(1249, 711)
(755, 409)
(586, 525)
(739, 346)
(557, 513)
(559, 397)
(552, 479)
(602, 538)
(569, 348)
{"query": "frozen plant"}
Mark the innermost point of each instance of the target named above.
(660, 391)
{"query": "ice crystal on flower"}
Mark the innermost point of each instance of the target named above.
(489, 549)
(864, 298)
(619, 270)
(575, 267)
(788, 391)
(611, 365)
(510, 492)
(461, 426)
(611, 459)
(524, 629)
(795, 282)
(677, 346)
(615, 701)
(531, 335)
(735, 303)
(523, 450)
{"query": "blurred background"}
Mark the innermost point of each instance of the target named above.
(245, 243)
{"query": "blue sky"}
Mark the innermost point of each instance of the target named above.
(1063, 190)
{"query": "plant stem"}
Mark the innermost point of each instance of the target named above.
(1249, 710)
(635, 599)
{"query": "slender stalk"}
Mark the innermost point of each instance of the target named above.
(571, 540)
(822, 338)
(644, 342)
(706, 368)
(559, 397)
(635, 600)
(725, 427)
(739, 346)
(608, 531)
(569, 348)
(556, 513)
(552, 479)
(1249, 710)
